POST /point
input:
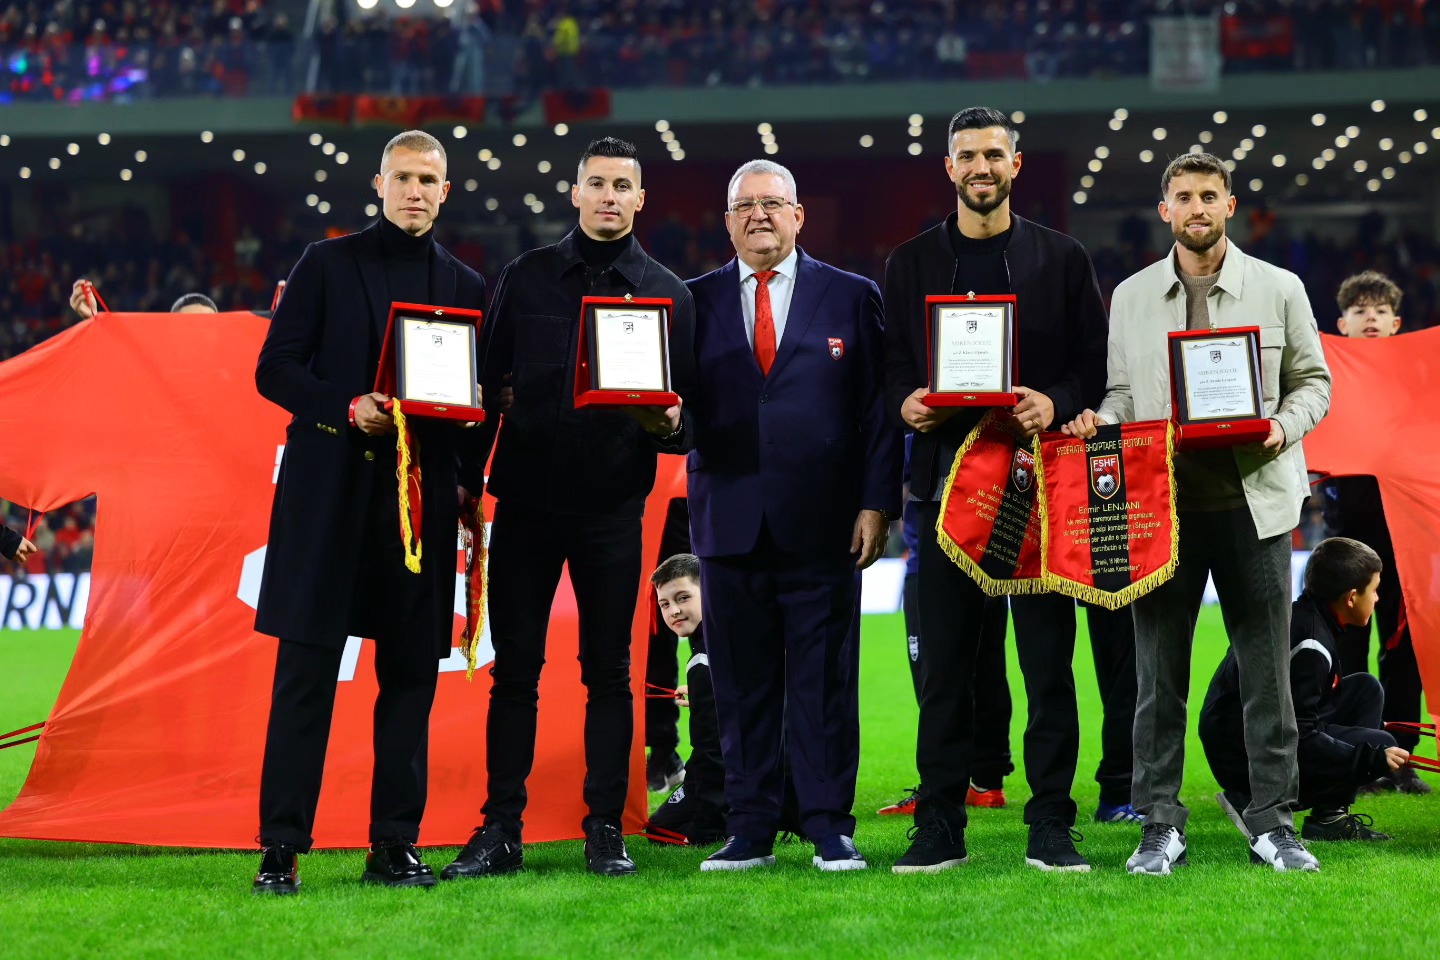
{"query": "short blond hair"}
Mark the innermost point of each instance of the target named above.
(417, 140)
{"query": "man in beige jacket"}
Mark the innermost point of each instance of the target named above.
(1237, 507)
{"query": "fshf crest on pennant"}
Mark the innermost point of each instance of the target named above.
(1022, 470)
(1105, 475)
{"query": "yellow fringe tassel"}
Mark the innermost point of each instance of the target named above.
(413, 547)
(991, 586)
(477, 604)
(1113, 600)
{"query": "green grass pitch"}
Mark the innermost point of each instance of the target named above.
(73, 900)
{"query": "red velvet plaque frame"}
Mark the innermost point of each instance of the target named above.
(588, 392)
(957, 398)
(387, 379)
(1197, 433)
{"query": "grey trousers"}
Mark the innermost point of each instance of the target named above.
(1252, 577)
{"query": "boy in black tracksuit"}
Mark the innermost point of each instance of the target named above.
(695, 813)
(1342, 745)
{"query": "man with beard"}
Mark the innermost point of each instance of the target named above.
(1237, 507)
(985, 248)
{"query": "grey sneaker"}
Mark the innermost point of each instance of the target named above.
(1161, 847)
(1282, 850)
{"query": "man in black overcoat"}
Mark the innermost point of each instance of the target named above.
(335, 561)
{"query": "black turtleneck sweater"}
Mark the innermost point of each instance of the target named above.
(599, 254)
(407, 266)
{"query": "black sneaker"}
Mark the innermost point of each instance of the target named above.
(1052, 847)
(491, 851)
(1343, 825)
(279, 871)
(937, 841)
(741, 853)
(605, 852)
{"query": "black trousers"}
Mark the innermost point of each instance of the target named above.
(782, 632)
(992, 762)
(528, 548)
(1353, 717)
(303, 700)
(662, 717)
(1399, 673)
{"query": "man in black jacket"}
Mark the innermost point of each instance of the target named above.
(571, 486)
(1062, 330)
(334, 562)
(1342, 742)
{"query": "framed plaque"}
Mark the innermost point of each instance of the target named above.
(1216, 396)
(624, 353)
(428, 361)
(971, 351)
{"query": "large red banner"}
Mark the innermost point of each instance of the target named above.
(1384, 421)
(158, 731)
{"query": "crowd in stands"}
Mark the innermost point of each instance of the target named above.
(72, 50)
(64, 539)
(102, 49)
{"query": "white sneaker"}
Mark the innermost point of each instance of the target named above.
(1161, 847)
(1282, 850)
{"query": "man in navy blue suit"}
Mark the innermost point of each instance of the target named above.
(794, 478)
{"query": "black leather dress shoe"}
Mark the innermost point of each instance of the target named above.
(279, 871)
(397, 864)
(490, 852)
(605, 852)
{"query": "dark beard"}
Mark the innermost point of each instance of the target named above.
(1201, 243)
(1002, 193)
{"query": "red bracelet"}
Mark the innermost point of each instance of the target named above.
(352, 409)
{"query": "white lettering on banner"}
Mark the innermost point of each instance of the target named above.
(43, 601)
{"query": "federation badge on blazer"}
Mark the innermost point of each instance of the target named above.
(1105, 475)
(1022, 470)
(837, 348)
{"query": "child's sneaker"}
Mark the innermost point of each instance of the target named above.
(905, 807)
(1124, 813)
(994, 797)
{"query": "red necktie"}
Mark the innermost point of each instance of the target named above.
(764, 321)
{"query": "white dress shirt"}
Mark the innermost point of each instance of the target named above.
(782, 288)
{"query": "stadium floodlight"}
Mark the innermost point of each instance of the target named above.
(342, 158)
(1095, 166)
(1386, 143)
(124, 174)
(1147, 155)
(662, 125)
(324, 205)
(404, 4)
(260, 167)
(485, 155)
(1220, 116)
(1205, 136)
(538, 206)
(1352, 132)
(104, 139)
(1159, 133)
(1087, 181)
(1017, 117)
(1377, 105)
(493, 163)
(561, 129)
(371, 210)
(4, 139)
(916, 120)
(492, 204)
(207, 136)
(562, 186)
(54, 163)
(1122, 114)
(771, 148)
(1388, 173)
(914, 149)
(518, 139)
(1420, 115)
(442, 4)
(366, 4)
(678, 155)
(1372, 185)
(1102, 151)
(238, 155)
(320, 176)
(1404, 156)
(1079, 196)
(1257, 185)
(1360, 166)
(1116, 124)
(1301, 179)
(1318, 119)
(1278, 160)
(543, 166)
(472, 185)
(764, 128)
(140, 156)
(460, 132)
(867, 141)
(72, 148)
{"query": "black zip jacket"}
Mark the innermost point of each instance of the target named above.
(592, 461)
(1061, 319)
